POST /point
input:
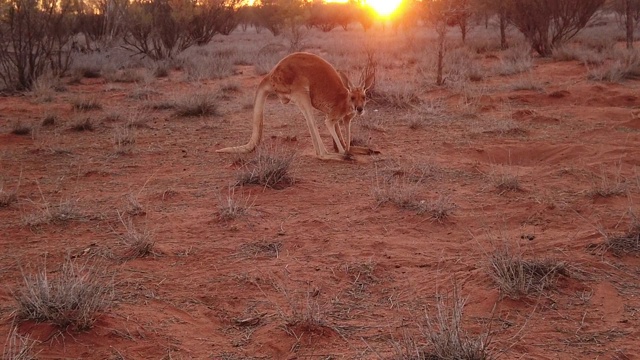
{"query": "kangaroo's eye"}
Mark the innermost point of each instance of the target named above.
(353, 98)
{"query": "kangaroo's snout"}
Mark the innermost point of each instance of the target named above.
(359, 109)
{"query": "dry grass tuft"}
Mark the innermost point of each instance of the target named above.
(627, 243)
(21, 129)
(83, 125)
(270, 167)
(7, 198)
(86, 104)
(517, 277)
(234, 206)
(50, 120)
(124, 139)
(443, 335)
(138, 244)
(446, 336)
(72, 299)
(196, 105)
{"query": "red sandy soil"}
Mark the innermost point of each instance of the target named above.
(350, 278)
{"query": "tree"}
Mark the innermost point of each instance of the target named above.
(549, 23)
(498, 7)
(33, 39)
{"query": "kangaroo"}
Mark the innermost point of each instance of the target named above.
(311, 82)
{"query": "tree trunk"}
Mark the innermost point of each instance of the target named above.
(441, 29)
(629, 23)
(503, 29)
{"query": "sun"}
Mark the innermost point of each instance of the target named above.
(384, 7)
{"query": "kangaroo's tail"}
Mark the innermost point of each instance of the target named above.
(258, 119)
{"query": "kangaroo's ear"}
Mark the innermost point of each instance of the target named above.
(370, 80)
(345, 80)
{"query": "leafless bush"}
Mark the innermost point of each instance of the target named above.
(548, 23)
(72, 299)
(161, 29)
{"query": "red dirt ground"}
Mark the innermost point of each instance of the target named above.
(318, 269)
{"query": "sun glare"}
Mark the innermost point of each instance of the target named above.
(384, 7)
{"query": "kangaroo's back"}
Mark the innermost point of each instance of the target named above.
(309, 72)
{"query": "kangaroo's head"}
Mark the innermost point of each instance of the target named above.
(358, 94)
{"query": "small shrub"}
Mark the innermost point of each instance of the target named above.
(269, 167)
(86, 104)
(89, 72)
(196, 105)
(72, 299)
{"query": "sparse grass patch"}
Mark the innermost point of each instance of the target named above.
(501, 127)
(396, 95)
(18, 347)
(233, 206)
(73, 298)
(196, 105)
(86, 104)
(125, 76)
(604, 185)
(517, 276)
(64, 211)
(405, 195)
(82, 125)
(270, 167)
(124, 139)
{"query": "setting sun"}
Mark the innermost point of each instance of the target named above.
(383, 8)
